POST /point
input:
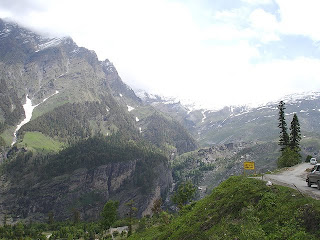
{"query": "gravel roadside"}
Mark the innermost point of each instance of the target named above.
(295, 177)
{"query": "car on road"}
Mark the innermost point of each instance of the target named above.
(314, 176)
(313, 161)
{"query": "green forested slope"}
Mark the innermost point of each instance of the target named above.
(83, 176)
(162, 131)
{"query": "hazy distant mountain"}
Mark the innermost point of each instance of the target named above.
(232, 135)
(242, 123)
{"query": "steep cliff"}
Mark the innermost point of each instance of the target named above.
(87, 180)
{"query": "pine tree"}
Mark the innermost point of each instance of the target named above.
(295, 134)
(284, 137)
(288, 158)
(131, 213)
(109, 214)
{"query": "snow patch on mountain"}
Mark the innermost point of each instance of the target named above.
(235, 110)
(251, 120)
(28, 110)
(143, 95)
(203, 116)
(130, 108)
(46, 43)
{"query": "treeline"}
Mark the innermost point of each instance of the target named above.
(89, 154)
(22, 231)
(74, 229)
(101, 150)
(162, 131)
(73, 120)
(68, 120)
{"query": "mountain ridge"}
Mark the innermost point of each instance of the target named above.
(224, 125)
(88, 105)
(48, 65)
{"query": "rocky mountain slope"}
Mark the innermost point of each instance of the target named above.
(91, 97)
(71, 98)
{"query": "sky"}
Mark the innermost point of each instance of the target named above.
(212, 52)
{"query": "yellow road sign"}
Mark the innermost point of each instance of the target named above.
(248, 165)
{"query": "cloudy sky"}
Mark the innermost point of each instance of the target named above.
(214, 52)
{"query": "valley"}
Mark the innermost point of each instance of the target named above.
(74, 136)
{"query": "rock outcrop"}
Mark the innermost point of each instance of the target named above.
(84, 190)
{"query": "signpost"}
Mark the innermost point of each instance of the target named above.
(248, 166)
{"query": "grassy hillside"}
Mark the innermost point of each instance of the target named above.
(243, 208)
(37, 141)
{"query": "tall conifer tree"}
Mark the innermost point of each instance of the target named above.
(284, 137)
(295, 134)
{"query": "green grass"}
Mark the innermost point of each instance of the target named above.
(39, 142)
(243, 208)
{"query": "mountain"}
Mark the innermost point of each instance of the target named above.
(232, 135)
(66, 108)
(234, 124)
(78, 95)
(73, 135)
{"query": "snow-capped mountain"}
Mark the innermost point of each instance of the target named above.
(10, 30)
(241, 123)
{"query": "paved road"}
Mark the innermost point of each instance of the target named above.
(295, 177)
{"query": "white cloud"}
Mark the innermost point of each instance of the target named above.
(258, 2)
(259, 83)
(160, 46)
(265, 25)
(300, 17)
(5, 14)
(260, 19)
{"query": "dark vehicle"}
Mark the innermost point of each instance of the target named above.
(314, 176)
